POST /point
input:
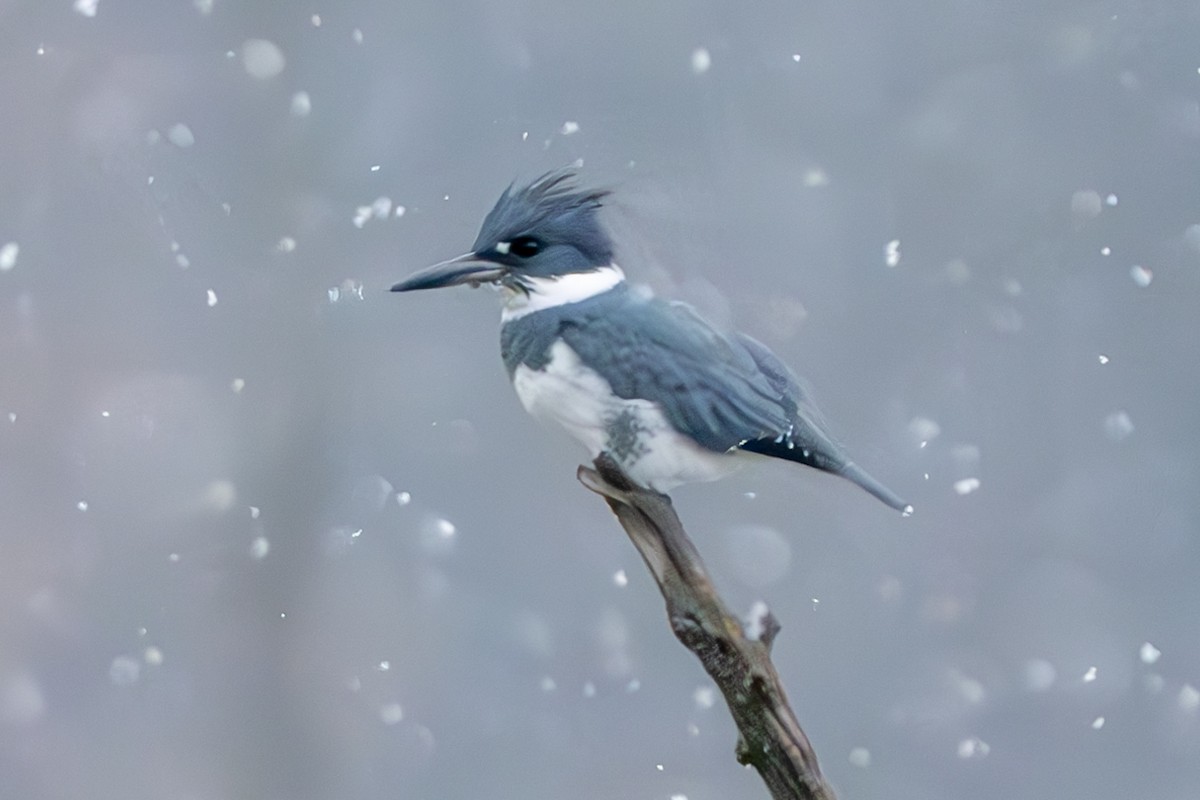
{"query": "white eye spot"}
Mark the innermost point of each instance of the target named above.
(502, 247)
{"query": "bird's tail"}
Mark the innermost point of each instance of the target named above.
(821, 453)
(853, 472)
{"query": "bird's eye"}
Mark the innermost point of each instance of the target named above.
(524, 247)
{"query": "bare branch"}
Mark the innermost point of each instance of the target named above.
(770, 738)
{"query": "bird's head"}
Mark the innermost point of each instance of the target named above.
(545, 230)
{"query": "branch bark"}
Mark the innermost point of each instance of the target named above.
(770, 739)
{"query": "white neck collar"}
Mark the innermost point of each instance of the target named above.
(574, 287)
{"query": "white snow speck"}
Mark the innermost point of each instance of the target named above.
(219, 496)
(8, 256)
(21, 699)
(704, 697)
(923, 429)
(173, 558)
(548, 685)
(569, 127)
(316, 20)
(255, 512)
(860, 757)
(1106, 251)
(756, 622)
(1118, 426)
(970, 688)
(391, 713)
(1039, 675)
(212, 298)
(438, 535)
(1111, 200)
(1191, 237)
(958, 272)
(620, 579)
(1090, 675)
(1189, 698)
(376, 167)
(82, 505)
(796, 57)
(181, 135)
(679, 797)
(86, 7)
(286, 244)
(1103, 359)
(815, 178)
(262, 59)
(301, 104)
(205, 7)
(1149, 653)
(356, 36)
(12, 417)
(1086, 204)
(349, 290)
(701, 60)
(658, 767)
(1097, 723)
(153, 656)
(380, 208)
(966, 485)
(399, 212)
(633, 685)
(973, 748)
(891, 253)
(403, 498)
(124, 671)
(237, 384)
(1142, 276)
(259, 548)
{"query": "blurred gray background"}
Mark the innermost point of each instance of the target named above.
(268, 531)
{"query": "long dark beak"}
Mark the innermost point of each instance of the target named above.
(467, 268)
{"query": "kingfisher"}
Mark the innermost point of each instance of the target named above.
(668, 396)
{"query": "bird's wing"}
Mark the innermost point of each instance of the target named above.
(809, 441)
(708, 385)
(808, 432)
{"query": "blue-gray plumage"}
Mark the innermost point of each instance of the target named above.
(670, 397)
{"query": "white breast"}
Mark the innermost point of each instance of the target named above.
(634, 432)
